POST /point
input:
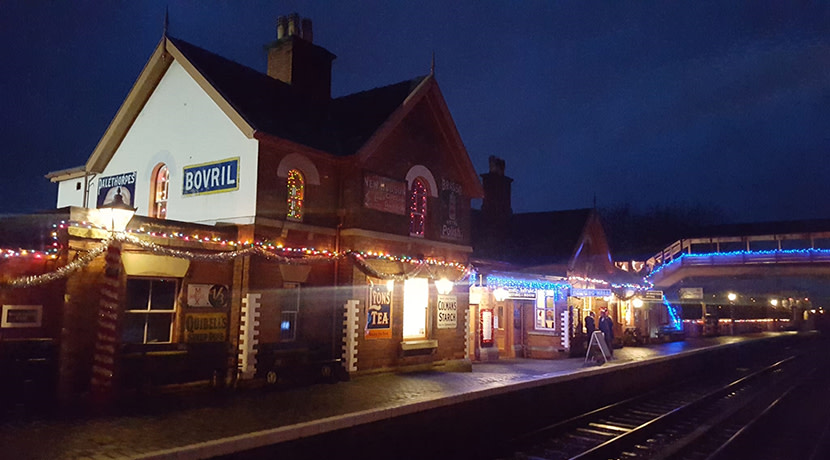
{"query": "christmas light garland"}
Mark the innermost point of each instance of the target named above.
(807, 253)
(60, 272)
(497, 281)
(268, 250)
(636, 287)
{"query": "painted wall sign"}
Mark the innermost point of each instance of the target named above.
(447, 311)
(578, 292)
(449, 195)
(384, 194)
(21, 316)
(216, 177)
(379, 313)
(115, 189)
(205, 327)
(208, 295)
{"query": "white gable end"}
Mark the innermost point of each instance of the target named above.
(212, 164)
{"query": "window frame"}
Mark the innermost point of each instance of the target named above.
(156, 209)
(544, 304)
(295, 201)
(415, 300)
(149, 311)
(418, 195)
(290, 311)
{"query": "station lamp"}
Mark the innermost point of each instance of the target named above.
(444, 286)
(637, 302)
(500, 294)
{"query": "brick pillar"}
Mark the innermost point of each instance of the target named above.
(106, 340)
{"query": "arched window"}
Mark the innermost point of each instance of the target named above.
(418, 207)
(158, 194)
(296, 194)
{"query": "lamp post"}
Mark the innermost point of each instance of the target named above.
(732, 297)
(115, 218)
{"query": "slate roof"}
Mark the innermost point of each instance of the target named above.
(340, 126)
(538, 238)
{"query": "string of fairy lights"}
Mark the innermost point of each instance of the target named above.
(410, 267)
(227, 250)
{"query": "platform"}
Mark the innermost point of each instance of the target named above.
(196, 423)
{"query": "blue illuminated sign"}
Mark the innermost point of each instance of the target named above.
(215, 177)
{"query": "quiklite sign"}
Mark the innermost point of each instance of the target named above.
(117, 189)
(379, 313)
(205, 327)
(447, 311)
(216, 177)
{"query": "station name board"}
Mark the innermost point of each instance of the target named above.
(578, 292)
(215, 177)
(117, 189)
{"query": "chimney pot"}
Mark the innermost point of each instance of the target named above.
(496, 165)
(281, 26)
(293, 24)
(308, 35)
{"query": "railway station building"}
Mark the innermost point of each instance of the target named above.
(272, 224)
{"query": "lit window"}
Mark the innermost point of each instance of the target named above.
(296, 193)
(151, 305)
(417, 207)
(545, 312)
(161, 183)
(415, 300)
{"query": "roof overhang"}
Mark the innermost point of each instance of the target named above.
(163, 56)
(66, 174)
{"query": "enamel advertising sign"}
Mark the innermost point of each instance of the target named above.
(117, 189)
(216, 177)
(379, 313)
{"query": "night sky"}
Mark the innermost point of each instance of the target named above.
(707, 103)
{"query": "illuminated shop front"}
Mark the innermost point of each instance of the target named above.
(409, 321)
(519, 316)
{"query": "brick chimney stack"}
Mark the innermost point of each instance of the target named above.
(497, 194)
(496, 211)
(296, 60)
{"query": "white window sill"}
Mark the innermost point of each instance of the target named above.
(418, 344)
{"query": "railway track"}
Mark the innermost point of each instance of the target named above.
(700, 420)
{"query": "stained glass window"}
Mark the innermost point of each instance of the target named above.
(161, 182)
(296, 194)
(417, 207)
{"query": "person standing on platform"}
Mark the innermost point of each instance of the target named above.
(590, 324)
(606, 325)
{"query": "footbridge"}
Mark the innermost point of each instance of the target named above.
(764, 261)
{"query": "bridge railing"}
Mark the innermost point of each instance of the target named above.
(778, 248)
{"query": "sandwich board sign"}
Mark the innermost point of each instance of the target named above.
(598, 343)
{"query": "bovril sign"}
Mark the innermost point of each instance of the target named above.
(447, 311)
(214, 177)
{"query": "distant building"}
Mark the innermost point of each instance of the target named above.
(540, 273)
